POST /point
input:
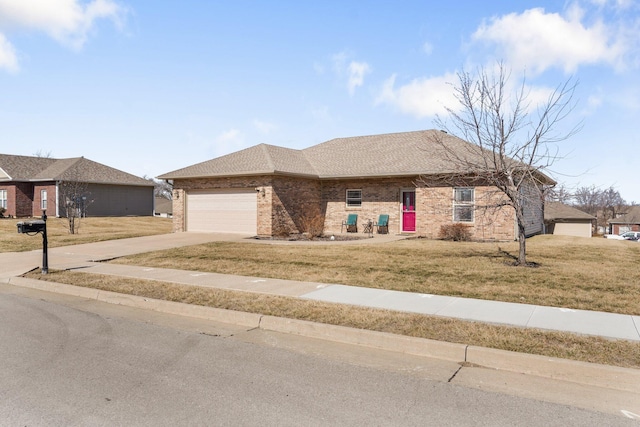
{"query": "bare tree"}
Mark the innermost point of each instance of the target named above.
(603, 204)
(43, 154)
(612, 204)
(75, 198)
(161, 188)
(559, 193)
(512, 143)
(587, 199)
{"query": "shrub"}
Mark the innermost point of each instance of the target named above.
(2, 211)
(455, 232)
(312, 225)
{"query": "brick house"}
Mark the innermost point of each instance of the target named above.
(28, 185)
(630, 221)
(268, 190)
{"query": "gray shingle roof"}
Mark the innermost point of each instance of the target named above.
(395, 154)
(26, 168)
(632, 217)
(262, 159)
(556, 211)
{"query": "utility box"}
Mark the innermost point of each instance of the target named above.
(31, 226)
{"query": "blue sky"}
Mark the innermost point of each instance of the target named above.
(152, 86)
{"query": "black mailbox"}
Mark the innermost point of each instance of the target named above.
(31, 226)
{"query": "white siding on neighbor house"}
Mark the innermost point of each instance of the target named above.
(222, 211)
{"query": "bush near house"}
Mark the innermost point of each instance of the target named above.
(455, 232)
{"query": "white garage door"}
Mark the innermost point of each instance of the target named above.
(223, 211)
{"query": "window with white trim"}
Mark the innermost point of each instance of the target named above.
(3, 199)
(463, 204)
(354, 198)
(43, 199)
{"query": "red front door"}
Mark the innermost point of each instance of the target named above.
(409, 210)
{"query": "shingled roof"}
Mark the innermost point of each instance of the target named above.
(386, 155)
(262, 159)
(78, 169)
(631, 217)
(554, 211)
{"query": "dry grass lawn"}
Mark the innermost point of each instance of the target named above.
(91, 230)
(589, 274)
(552, 344)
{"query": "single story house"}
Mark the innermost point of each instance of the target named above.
(630, 221)
(163, 207)
(268, 190)
(29, 185)
(565, 220)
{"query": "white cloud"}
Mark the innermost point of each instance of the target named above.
(537, 40)
(357, 71)
(8, 59)
(427, 48)
(69, 22)
(424, 97)
(354, 71)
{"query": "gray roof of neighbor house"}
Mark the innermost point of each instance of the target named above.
(163, 205)
(631, 217)
(554, 211)
(77, 169)
(387, 155)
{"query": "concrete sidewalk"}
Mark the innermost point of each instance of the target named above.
(608, 325)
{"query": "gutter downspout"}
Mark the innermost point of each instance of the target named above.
(57, 199)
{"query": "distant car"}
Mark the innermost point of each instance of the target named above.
(629, 235)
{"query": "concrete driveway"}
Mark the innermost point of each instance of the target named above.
(17, 263)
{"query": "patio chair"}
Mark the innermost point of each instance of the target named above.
(382, 224)
(351, 223)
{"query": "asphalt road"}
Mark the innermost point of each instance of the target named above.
(69, 361)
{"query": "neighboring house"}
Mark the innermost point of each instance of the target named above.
(564, 220)
(163, 207)
(268, 190)
(29, 185)
(627, 222)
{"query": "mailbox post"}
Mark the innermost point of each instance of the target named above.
(31, 228)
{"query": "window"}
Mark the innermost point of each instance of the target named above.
(43, 199)
(463, 204)
(3, 199)
(354, 198)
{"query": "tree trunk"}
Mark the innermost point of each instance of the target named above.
(522, 243)
(522, 239)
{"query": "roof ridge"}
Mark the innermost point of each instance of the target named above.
(265, 150)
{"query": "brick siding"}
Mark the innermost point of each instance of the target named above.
(289, 204)
(618, 228)
(19, 199)
(36, 210)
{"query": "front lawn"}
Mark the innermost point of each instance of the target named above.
(91, 230)
(588, 274)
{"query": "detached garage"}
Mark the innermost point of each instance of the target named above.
(222, 211)
(563, 220)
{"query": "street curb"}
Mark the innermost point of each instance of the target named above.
(249, 320)
(363, 337)
(611, 377)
